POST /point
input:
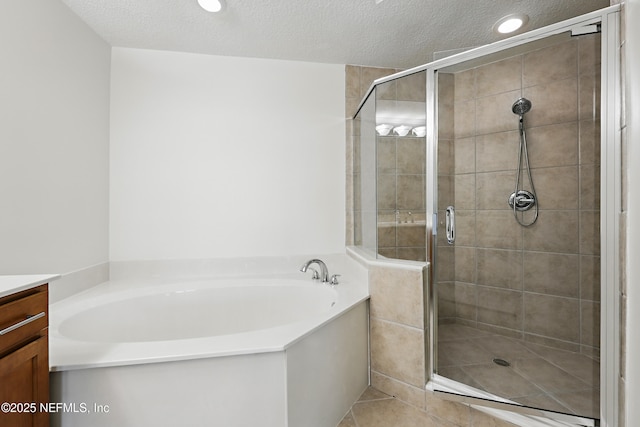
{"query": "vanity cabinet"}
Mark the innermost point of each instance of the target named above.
(24, 358)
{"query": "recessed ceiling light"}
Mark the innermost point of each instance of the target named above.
(211, 5)
(510, 23)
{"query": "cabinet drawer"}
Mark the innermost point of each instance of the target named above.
(19, 319)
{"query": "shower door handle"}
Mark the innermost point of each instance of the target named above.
(450, 224)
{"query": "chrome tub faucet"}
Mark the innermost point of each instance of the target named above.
(324, 272)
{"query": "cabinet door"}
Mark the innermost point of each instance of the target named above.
(24, 379)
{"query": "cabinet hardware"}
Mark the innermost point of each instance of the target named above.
(26, 321)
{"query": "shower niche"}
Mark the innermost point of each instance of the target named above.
(504, 195)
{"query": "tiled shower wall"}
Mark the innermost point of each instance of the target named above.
(540, 283)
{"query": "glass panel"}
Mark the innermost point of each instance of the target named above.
(364, 176)
(518, 289)
(400, 145)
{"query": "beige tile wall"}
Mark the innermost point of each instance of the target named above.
(538, 282)
(397, 332)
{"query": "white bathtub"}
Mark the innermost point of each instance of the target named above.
(232, 352)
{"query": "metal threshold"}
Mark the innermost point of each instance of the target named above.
(508, 410)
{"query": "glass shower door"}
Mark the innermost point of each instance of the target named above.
(518, 284)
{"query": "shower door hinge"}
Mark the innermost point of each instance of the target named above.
(587, 29)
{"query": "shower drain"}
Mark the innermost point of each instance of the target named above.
(501, 362)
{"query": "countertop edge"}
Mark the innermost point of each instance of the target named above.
(17, 283)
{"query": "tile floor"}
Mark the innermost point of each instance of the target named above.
(539, 376)
(376, 409)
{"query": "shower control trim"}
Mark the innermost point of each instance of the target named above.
(450, 224)
(523, 200)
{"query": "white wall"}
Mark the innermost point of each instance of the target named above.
(54, 124)
(225, 157)
(632, 48)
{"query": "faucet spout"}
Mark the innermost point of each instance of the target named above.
(324, 272)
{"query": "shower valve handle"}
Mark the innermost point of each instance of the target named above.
(524, 200)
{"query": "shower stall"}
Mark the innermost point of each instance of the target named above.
(521, 294)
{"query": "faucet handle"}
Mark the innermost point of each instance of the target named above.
(334, 279)
(314, 275)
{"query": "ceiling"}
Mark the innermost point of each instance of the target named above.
(393, 33)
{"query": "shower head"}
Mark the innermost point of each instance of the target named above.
(521, 106)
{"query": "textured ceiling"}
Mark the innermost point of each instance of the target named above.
(393, 33)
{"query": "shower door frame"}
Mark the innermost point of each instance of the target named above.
(610, 187)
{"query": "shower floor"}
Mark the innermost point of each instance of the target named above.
(538, 376)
